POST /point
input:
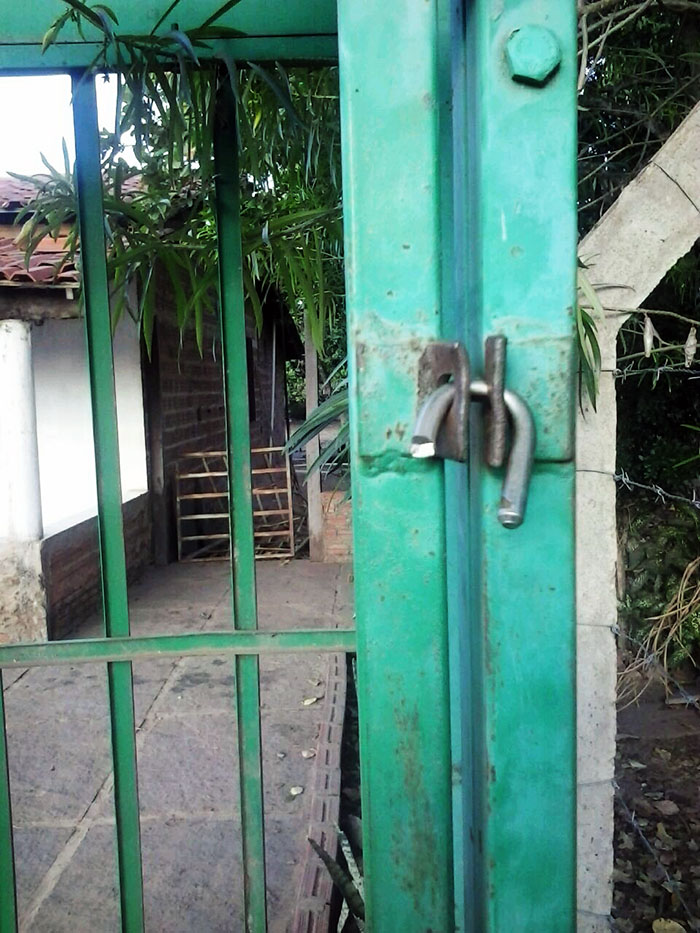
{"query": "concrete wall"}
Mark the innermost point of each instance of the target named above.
(64, 420)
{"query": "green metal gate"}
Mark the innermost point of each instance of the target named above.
(458, 127)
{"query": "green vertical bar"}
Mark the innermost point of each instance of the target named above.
(241, 508)
(104, 416)
(522, 227)
(391, 180)
(8, 886)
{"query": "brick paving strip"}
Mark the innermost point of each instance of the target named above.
(62, 782)
(312, 914)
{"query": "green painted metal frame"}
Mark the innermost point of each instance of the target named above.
(88, 181)
(118, 649)
(247, 677)
(290, 30)
(448, 211)
(438, 244)
(391, 180)
(148, 647)
(519, 202)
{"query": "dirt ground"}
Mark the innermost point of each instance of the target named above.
(657, 819)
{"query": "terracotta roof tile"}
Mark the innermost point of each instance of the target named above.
(47, 266)
(14, 194)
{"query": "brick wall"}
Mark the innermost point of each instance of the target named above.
(337, 527)
(185, 406)
(71, 567)
(192, 400)
(266, 430)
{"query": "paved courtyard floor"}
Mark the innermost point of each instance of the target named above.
(60, 764)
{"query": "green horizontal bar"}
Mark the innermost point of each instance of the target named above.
(27, 22)
(141, 648)
(28, 58)
(274, 30)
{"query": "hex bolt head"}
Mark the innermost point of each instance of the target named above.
(533, 54)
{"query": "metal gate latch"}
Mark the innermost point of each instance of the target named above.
(442, 425)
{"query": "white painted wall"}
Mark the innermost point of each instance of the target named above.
(64, 421)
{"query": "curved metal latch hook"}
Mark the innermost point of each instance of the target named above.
(434, 431)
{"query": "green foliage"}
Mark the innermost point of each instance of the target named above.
(660, 543)
(639, 77)
(343, 880)
(296, 388)
(695, 457)
(654, 444)
(588, 310)
(288, 124)
(336, 452)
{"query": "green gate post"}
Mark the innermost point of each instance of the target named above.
(391, 181)
(521, 256)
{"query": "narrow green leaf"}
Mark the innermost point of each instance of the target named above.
(281, 95)
(252, 295)
(108, 10)
(161, 19)
(182, 39)
(53, 31)
(341, 880)
(221, 11)
(85, 10)
(337, 447)
(327, 412)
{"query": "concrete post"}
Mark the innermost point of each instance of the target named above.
(313, 485)
(20, 516)
(22, 599)
(596, 601)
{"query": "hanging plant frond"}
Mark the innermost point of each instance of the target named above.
(168, 81)
(588, 347)
(342, 881)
